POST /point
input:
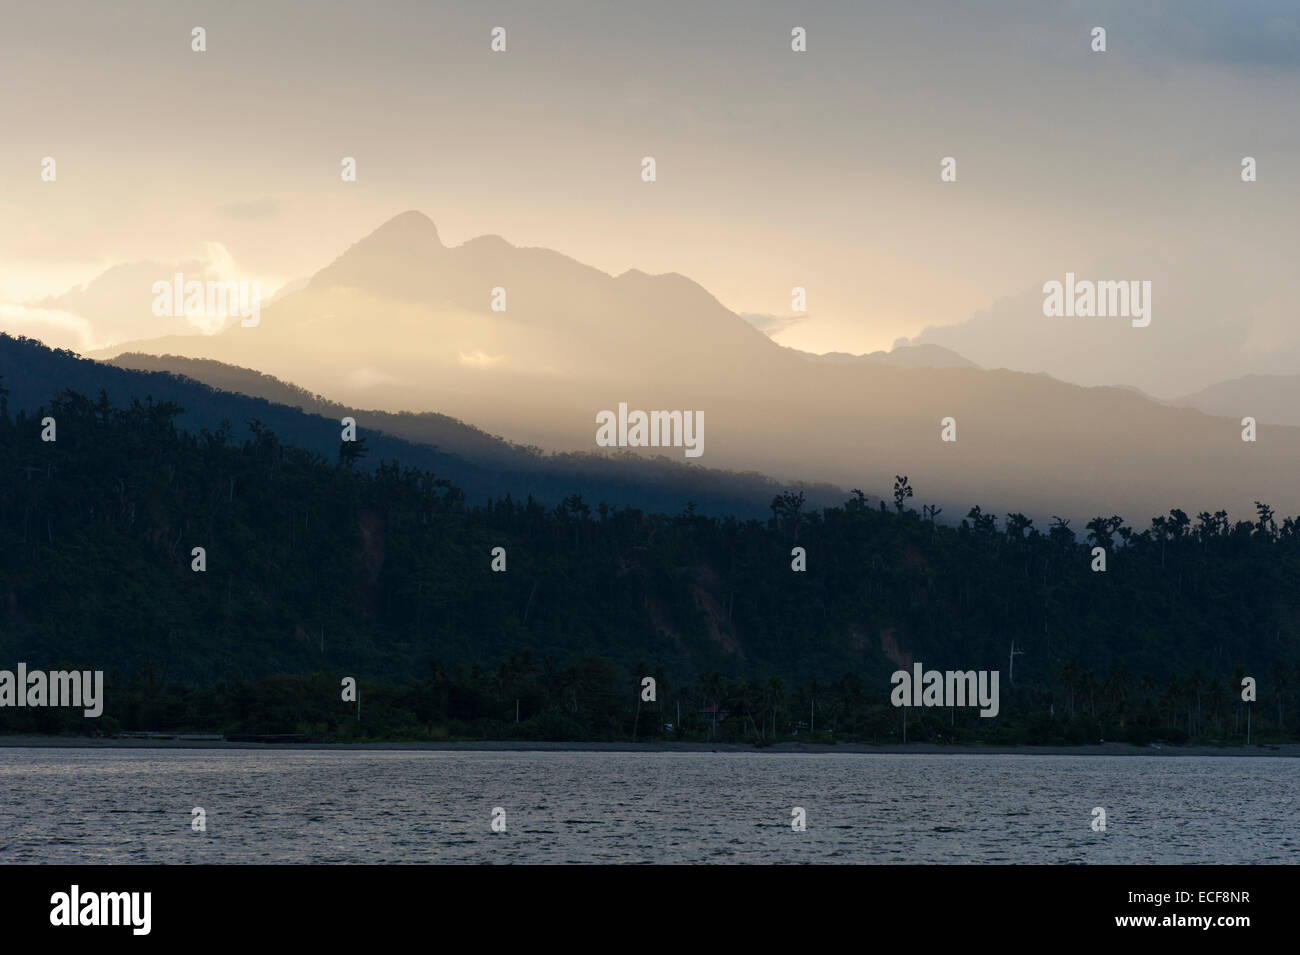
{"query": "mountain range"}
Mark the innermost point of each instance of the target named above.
(402, 323)
(1271, 398)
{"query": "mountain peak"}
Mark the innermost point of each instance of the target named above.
(388, 258)
(412, 225)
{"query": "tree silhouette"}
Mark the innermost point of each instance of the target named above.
(902, 491)
(350, 452)
(1266, 527)
(1101, 530)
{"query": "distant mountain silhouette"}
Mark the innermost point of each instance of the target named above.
(905, 356)
(1272, 399)
(401, 322)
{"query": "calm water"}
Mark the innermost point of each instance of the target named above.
(134, 806)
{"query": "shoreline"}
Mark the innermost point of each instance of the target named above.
(1277, 750)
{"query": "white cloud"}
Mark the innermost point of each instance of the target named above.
(55, 328)
(116, 305)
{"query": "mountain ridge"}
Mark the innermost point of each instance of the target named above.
(412, 328)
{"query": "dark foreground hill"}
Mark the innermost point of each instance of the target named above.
(314, 564)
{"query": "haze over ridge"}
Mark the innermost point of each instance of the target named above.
(400, 321)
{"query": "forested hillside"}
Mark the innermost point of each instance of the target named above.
(317, 565)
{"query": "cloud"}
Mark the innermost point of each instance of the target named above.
(55, 328)
(117, 304)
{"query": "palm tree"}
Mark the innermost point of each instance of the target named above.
(774, 698)
(1017, 524)
(641, 668)
(1192, 686)
(1117, 683)
(1277, 676)
(1160, 527)
(1070, 677)
(1172, 698)
(711, 683)
(1234, 691)
(1087, 687)
(747, 696)
(1102, 530)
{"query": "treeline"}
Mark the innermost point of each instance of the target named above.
(588, 700)
(316, 565)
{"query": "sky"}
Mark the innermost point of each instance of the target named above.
(775, 169)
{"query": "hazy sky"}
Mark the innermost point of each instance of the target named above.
(775, 168)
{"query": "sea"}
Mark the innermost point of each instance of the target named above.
(178, 806)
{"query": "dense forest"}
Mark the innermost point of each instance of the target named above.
(318, 568)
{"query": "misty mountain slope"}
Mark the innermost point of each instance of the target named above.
(1274, 399)
(481, 465)
(402, 323)
(446, 433)
(904, 356)
(750, 493)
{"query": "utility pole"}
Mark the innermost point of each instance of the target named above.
(1011, 662)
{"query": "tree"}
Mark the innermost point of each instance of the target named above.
(902, 491)
(1060, 531)
(1017, 524)
(1266, 527)
(786, 508)
(1277, 676)
(1070, 678)
(350, 452)
(640, 670)
(985, 524)
(1101, 530)
(774, 698)
(711, 684)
